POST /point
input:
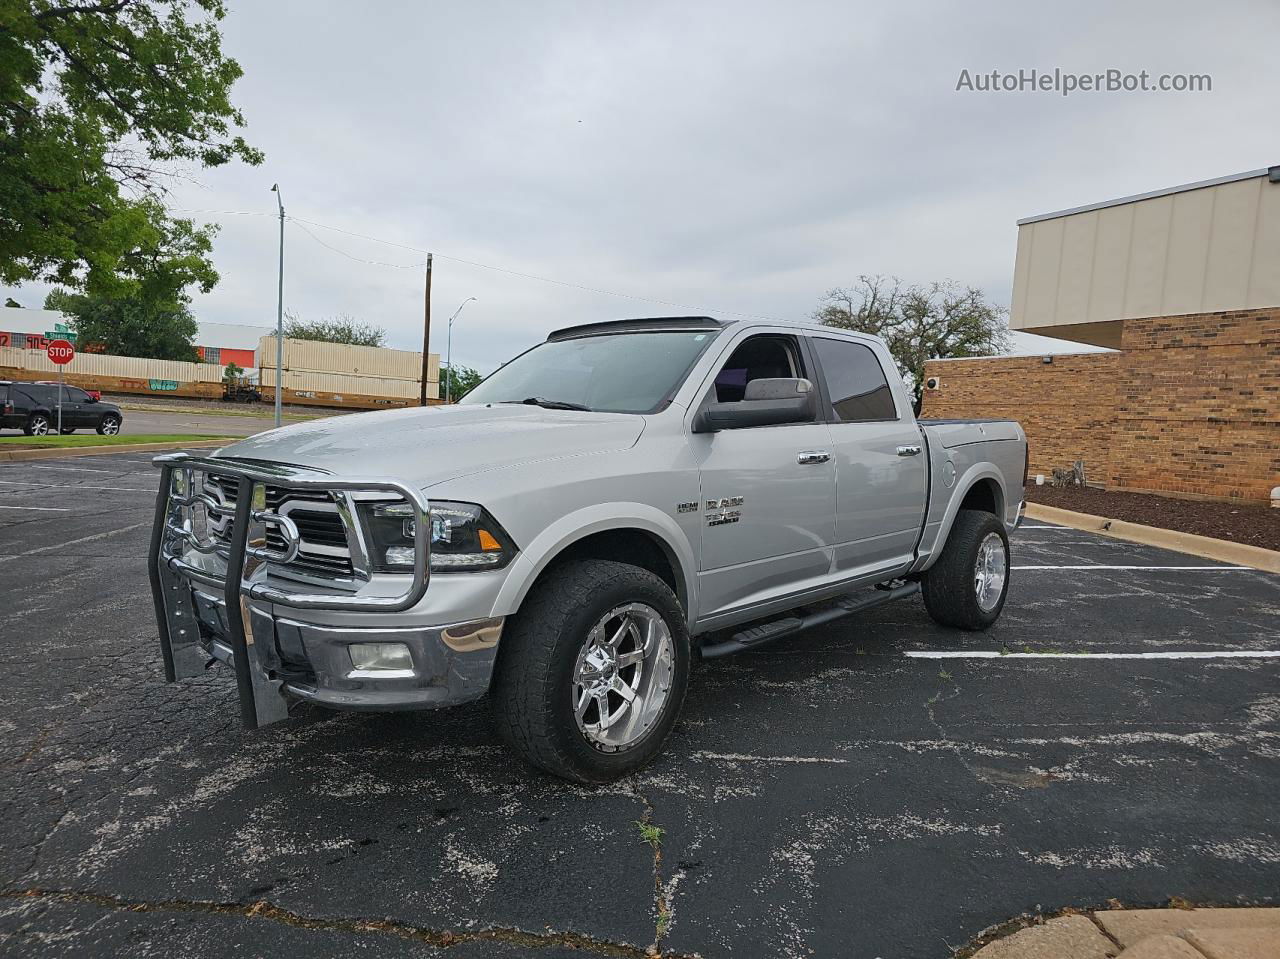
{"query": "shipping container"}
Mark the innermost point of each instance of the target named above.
(103, 364)
(339, 383)
(319, 357)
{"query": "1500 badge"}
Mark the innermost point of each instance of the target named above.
(722, 511)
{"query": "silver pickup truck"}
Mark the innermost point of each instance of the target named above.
(601, 509)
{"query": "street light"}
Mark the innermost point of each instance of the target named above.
(275, 188)
(448, 383)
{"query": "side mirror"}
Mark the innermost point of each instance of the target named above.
(91, 399)
(767, 402)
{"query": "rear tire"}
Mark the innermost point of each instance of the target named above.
(38, 425)
(557, 650)
(967, 586)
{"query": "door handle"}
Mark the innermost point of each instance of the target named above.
(812, 456)
(908, 451)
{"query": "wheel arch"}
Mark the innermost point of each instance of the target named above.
(624, 532)
(980, 487)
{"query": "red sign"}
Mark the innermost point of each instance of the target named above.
(60, 351)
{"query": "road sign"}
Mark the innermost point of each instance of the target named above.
(60, 334)
(60, 352)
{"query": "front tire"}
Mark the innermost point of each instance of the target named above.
(967, 586)
(592, 672)
(67, 430)
(109, 426)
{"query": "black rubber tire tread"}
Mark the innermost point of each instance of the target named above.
(947, 585)
(536, 657)
(103, 423)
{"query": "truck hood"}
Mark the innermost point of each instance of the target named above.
(428, 445)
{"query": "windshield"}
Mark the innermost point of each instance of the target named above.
(613, 373)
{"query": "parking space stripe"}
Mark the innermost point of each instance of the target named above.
(72, 469)
(1173, 654)
(35, 485)
(42, 509)
(75, 542)
(1219, 569)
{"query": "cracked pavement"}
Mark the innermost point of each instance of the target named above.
(825, 796)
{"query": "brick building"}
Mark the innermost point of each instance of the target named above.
(1184, 284)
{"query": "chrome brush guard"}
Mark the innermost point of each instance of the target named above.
(176, 540)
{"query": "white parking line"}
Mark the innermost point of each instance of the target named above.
(42, 509)
(1184, 654)
(1060, 529)
(1219, 569)
(75, 542)
(72, 469)
(34, 486)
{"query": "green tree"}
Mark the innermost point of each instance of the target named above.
(130, 325)
(342, 328)
(100, 103)
(458, 381)
(918, 323)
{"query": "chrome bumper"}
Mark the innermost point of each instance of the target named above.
(250, 635)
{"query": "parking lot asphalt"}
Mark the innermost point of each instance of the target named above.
(837, 794)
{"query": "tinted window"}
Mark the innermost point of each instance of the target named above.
(34, 395)
(855, 381)
(74, 395)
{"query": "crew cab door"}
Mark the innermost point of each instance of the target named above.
(880, 459)
(767, 504)
(77, 411)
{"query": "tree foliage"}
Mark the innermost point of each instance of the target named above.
(101, 103)
(342, 328)
(458, 381)
(130, 325)
(918, 323)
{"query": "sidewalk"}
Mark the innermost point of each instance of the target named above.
(1231, 933)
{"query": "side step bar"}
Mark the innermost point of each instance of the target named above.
(756, 636)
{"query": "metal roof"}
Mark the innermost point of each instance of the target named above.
(1198, 185)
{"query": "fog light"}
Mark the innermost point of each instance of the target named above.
(400, 555)
(380, 656)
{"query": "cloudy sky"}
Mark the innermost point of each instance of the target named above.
(728, 158)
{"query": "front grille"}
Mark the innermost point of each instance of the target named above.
(323, 549)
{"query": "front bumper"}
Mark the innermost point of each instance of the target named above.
(450, 664)
(219, 601)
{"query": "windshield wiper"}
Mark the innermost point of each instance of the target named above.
(547, 404)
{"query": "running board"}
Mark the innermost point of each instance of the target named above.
(757, 636)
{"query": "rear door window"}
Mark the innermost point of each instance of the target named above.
(855, 381)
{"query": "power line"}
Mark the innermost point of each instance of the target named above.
(483, 266)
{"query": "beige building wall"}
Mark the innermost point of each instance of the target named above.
(1201, 248)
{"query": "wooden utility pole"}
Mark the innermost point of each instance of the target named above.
(426, 336)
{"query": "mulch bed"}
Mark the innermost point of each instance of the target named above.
(1254, 524)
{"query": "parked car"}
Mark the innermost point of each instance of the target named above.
(33, 408)
(594, 514)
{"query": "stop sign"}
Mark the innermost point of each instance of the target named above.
(60, 352)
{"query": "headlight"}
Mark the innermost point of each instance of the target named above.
(463, 537)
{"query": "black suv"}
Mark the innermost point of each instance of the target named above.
(33, 408)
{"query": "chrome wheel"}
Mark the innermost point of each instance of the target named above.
(622, 678)
(110, 426)
(39, 426)
(990, 572)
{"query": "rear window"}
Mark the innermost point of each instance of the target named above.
(857, 385)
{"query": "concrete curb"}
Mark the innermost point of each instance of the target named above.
(17, 456)
(1217, 933)
(1238, 554)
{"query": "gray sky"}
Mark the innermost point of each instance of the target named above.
(722, 156)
